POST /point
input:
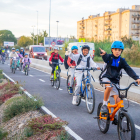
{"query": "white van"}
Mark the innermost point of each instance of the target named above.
(80, 44)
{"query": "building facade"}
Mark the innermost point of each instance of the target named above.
(112, 25)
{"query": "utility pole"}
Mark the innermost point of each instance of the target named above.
(57, 28)
(49, 22)
(37, 27)
(33, 34)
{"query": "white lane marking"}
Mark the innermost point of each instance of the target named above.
(31, 75)
(136, 126)
(41, 80)
(22, 71)
(49, 112)
(60, 89)
(9, 64)
(66, 127)
(95, 88)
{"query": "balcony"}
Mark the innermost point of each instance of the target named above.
(108, 19)
(96, 26)
(135, 22)
(136, 28)
(108, 34)
(136, 16)
(135, 34)
(109, 29)
(109, 24)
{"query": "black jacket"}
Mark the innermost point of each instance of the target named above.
(113, 71)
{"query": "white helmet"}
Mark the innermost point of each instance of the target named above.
(56, 48)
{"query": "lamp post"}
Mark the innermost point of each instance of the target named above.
(33, 34)
(57, 28)
(37, 27)
(49, 22)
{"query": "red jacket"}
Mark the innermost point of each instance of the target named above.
(69, 62)
(55, 57)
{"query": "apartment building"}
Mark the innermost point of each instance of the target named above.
(112, 25)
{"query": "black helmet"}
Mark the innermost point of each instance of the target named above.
(85, 47)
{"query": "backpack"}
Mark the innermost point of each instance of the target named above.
(65, 62)
(108, 65)
(80, 59)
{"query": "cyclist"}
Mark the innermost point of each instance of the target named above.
(72, 65)
(114, 64)
(82, 60)
(54, 58)
(26, 60)
(22, 52)
(19, 55)
(11, 55)
(3, 54)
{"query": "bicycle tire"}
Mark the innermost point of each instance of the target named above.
(57, 81)
(120, 128)
(27, 72)
(107, 123)
(68, 83)
(52, 83)
(14, 70)
(92, 96)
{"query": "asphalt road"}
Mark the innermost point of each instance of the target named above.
(59, 103)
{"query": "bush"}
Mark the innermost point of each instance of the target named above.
(21, 106)
(132, 55)
(3, 134)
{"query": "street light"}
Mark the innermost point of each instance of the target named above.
(49, 21)
(37, 27)
(33, 34)
(57, 28)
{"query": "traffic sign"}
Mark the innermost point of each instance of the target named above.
(53, 43)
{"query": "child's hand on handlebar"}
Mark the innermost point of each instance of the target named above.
(72, 66)
(138, 81)
(50, 62)
(98, 68)
(102, 52)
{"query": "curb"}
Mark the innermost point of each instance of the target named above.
(44, 109)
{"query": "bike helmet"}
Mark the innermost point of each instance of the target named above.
(26, 53)
(56, 48)
(85, 47)
(13, 48)
(74, 47)
(17, 50)
(118, 45)
(21, 48)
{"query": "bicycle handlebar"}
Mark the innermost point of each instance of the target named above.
(133, 83)
(86, 69)
(57, 63)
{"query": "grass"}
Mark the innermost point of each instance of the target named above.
(14, 99)
(21, 106)
(3, 134)
(64, 136)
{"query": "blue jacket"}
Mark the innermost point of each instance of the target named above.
(117, 64)
(3, 54)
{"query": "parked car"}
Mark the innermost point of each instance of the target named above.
(60, 42)
(38, 52)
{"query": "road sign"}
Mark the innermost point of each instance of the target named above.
(53, 44)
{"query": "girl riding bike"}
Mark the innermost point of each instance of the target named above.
(26, 60)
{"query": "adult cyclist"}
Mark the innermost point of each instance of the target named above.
(82, 60)
(72, 65)
(12, 55)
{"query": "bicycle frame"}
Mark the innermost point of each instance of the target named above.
(116, 108)
(56, 69)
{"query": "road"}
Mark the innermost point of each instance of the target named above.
(59, 103)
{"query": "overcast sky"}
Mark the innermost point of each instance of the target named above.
(19, 15)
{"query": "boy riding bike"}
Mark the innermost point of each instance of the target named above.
(112, 72)
(22, 52)
(3, 55)
(54, 59)
(72, 65)
(19, 55)
(11, 55)
(26, 61)
(82, 60)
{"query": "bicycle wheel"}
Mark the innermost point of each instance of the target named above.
(103, 123)
(126, 128)
(52, 83)
(27, 72)
(68, 83)
(90, 98)
(57, 81)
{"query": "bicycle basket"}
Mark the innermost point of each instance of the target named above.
(123, 94)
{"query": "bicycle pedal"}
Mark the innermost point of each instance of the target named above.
(97, 117)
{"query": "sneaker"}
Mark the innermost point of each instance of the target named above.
(104, 110)
(74, 101)
(51, 78)
(70, 90)
(115, 121)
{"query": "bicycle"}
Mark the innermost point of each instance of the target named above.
(26, 69)
(68, 83)
(18, 64)
(87, 91)
(123, 116)
(3, 59)
(0, 58)
(13, 67)
(56, 77)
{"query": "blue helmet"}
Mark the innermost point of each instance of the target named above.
(74, 47)
(17, 50)
(26, 53)
(118, 45)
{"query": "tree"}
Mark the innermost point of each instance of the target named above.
(6, 35)
(40, 37)
(24, 41)
(128, 42)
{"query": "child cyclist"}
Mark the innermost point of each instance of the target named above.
(114, 64)
(82, 60)
(12, 55)
(19, 55)
(3, 55)
(54, 58)
(72, 65)
(26, 60)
